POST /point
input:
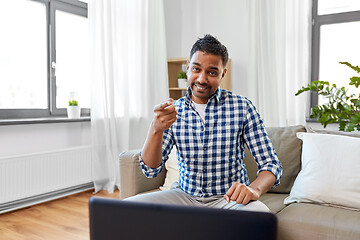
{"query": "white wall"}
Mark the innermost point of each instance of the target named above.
(187, 20)
(34, 138)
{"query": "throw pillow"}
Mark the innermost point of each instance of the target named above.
(288, 148)
(172, 168)
(330, 171)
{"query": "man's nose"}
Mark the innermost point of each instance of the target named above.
(202, 78)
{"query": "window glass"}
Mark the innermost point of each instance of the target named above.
(23, 64)
(339, 43)
(337, 6)
(72, 59)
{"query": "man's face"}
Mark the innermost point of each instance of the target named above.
(205, 72)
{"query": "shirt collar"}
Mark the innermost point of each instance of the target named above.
(217, 95)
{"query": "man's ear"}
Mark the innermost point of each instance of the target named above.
(224, 72)
(187, 65)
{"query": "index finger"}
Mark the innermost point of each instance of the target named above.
(230, 192)
(163, 105)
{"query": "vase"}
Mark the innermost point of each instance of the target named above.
(182, 83)
(73, 112)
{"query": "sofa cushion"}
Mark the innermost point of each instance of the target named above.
(274, 201)
(330, 172)
(311, 221)
(172, 170)
(288, 147)
(132, 180)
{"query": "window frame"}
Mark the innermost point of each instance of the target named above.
(317, 22)
(70, 6)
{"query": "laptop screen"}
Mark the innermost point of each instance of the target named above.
(117, 219)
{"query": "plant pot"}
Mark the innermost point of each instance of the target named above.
(73, 112)
(182, 83)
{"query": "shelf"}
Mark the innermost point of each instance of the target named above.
(177, 60)
(177, 89)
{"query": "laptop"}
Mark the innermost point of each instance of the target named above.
(125, 220)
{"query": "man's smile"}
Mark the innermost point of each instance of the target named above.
(200, 87)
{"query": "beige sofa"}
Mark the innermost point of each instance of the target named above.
(296, 220)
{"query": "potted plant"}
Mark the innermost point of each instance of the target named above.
(182, 79)
(73, 110)
(341, 108)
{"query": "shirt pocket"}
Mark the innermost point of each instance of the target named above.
(187, 133)
(227, 134)
(228, 128)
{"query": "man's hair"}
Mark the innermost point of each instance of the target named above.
(209, 44)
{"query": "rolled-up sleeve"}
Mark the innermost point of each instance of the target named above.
(167, 145)
(260, 145)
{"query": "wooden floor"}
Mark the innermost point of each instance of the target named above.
(65, 218)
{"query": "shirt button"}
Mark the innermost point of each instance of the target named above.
(205, 148)
(204, 170)
(202, 129)
(203, 189)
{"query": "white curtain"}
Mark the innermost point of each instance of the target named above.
(280, 38)
(129, 77)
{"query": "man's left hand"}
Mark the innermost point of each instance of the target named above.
(241, 193)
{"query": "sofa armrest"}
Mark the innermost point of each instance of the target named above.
(132, 180)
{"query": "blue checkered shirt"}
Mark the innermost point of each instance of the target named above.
(210, 153)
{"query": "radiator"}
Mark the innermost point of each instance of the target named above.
(27, 176)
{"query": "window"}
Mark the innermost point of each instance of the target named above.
(44, 54)
(335, 39)
(71, 69)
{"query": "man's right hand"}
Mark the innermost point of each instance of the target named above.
(164, 116)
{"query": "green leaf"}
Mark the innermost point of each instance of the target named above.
(355, 119)
(342, 125)
(181, 75)
(356, 102)
(356, 68)
(350, 127)
(313, 88)
(73, 103)
(355, 81)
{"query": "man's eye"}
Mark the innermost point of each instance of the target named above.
(195, 69)
(213, 73)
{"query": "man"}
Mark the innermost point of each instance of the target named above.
(209, 127)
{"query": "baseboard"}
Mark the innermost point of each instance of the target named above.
(30, 201)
